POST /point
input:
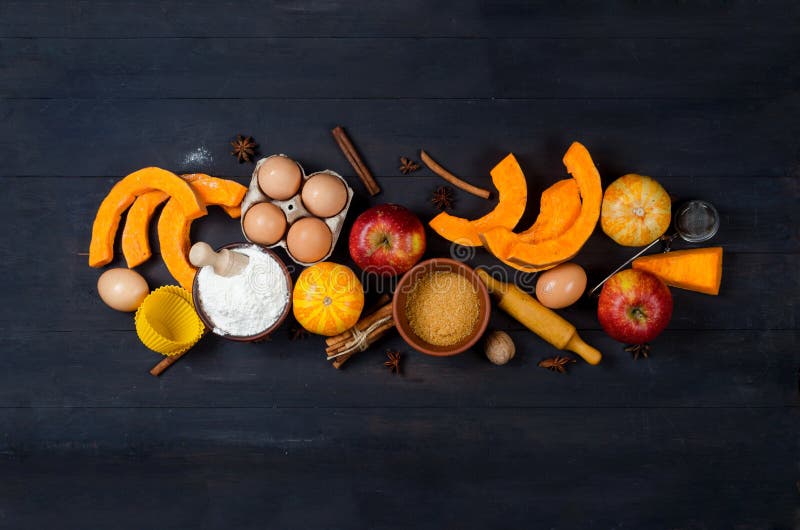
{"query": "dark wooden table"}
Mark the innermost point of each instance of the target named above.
(702, 96)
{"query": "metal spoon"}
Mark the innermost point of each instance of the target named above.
(695, 221)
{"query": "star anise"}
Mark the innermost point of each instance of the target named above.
(297, 333)
(408, 166)
(393, 364)
(638, 349)
(244, 147)
(443, 197)
(557, 363)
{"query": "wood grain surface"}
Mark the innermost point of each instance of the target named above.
(704, 434)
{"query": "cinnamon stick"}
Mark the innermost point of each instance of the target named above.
(452, 179)
(346, 334)
(355, 160)
(362, 327)
(372, 339)
(381, 318)
(165, 363)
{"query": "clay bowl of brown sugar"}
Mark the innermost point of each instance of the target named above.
(441, 307)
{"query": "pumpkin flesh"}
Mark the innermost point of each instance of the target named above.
(559, 206)
(135, 241)
(211, 190)
(696, 269)
(122, 195)
(532, 255)
(512, 192)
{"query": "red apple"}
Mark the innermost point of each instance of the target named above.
(634, 306)
(387, 240)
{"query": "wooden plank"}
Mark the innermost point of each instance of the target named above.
(422, 468)
(397, 68)
(657, 137)
(110, 369)
(412, 18)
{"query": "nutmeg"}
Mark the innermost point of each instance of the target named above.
(499, 347)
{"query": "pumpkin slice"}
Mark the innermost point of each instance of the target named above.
(559, 207)
(696, 269)
(173, 238)
(122, 195)
(211, 190)
(174, 227)
(512, 191)
(548, 253)
(221, 192)
(135, 243)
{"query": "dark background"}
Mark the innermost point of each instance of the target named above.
(702, 96)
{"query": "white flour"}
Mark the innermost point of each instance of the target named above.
(248, 303)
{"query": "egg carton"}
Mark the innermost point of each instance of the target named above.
(294, 209)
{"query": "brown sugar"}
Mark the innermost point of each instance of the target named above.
(442, 308)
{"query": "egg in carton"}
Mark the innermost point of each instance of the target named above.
(304, 214)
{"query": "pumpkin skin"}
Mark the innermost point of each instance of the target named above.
(636, 210)
(327, 298)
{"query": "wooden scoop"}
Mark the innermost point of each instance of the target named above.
(225, 262)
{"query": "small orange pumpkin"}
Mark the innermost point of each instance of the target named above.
(636, 210)
(327, 298)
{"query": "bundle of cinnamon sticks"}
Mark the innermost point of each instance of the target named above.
(358, 338)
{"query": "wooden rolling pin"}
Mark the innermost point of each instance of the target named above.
(539, 319)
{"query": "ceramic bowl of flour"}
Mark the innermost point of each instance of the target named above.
(249, 306)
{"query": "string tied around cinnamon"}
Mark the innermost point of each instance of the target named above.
(360, 340)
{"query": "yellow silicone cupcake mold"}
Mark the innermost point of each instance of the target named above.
(166, 321)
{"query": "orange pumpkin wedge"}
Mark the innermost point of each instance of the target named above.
(174, 228)
(122, 195)
(135, 242)
(512, 192)
(559, 206)
(173, 238)
(212, 190)
(546, 254)
(221, 192)
(696, 269)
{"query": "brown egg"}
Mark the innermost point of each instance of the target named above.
(122, 289)
(309, 240)
(264, 223)
(324, 195)
(279, 177)
(561, 286)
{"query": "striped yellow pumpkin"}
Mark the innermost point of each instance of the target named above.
(636, 210)
(327, 298)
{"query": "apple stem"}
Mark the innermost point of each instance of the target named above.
(383, 243)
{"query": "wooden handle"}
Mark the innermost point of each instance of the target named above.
(201, 254)
(589, 354)
(225, 262)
